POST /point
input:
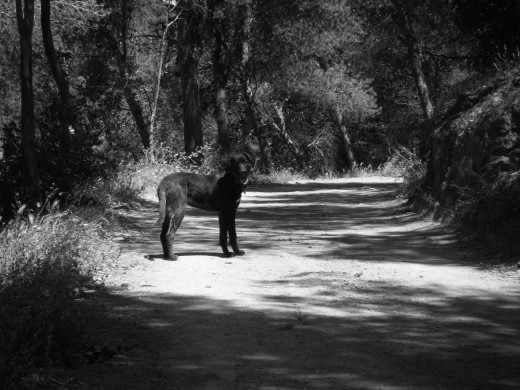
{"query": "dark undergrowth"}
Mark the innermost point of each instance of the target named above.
(486, 214)
(487, 211)
(47, 261)
(490, 213)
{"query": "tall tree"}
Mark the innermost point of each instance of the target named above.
(60, 78)
(222, 56)
(315, 45)
(188, 54)
(286, 137)
(403, 18)
(162, 53)
(347, 100)
(410, 23)
(115, 31)
(25, 21)
(339, 121)
(122, 57)
(246, 74)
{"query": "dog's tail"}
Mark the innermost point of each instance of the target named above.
(161, 193)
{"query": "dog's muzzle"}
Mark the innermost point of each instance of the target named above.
(244, 177)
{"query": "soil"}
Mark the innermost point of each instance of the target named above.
(340, 288)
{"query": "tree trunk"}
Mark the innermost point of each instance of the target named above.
(60, 77)
(162, 54)
(258, 132)
(220, 75)
(187, 57)
(293, 148)
(136, 110)
(25, 21)
(11, 153)
(345, 139)
(120, 49)
(246, 35)
(405, 23)
(247, 90)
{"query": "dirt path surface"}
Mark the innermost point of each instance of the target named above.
(337, 290)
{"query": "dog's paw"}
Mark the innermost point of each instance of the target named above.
(239, 252)
(171, 258)
(229, 254)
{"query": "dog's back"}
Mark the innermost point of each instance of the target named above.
(202, 191)
(197, 190)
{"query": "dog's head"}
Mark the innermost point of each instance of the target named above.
(239, 166)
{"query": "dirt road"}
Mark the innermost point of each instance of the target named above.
(337, 290)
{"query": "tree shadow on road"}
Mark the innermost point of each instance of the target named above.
(339, 221)
(374, 341)
(347, 221)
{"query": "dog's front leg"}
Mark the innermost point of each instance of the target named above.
(233, 234)
(223, 227)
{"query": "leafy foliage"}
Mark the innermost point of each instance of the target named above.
(307, 61)
(494, 25)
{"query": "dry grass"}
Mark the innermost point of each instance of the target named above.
(46, 261)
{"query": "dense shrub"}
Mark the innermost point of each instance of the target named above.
(492, 212)
(116, 187)
(131, 180)
(45, 264)
(407, 165)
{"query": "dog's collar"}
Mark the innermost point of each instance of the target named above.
(233, 179)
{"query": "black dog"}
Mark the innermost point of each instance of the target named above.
(206, 192)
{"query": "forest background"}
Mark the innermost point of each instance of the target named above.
(315, 87)
(100, 98)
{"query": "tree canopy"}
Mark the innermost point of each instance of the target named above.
(317, 86)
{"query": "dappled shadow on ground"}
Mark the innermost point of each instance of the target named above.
(337, 221)
(346, 221)
(372, 341)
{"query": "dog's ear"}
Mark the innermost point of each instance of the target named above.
(230, 163)
(248, 157)
(225, 164)
(249, 160)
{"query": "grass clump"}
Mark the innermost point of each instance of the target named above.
(407, 165)
(46, 262)
(278, 176)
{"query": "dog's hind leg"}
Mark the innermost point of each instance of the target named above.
(164, 238)
(169, 228)
(172, 206)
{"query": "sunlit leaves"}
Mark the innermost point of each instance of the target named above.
(334, 89)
